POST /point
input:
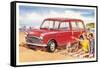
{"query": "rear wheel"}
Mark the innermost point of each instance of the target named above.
(51, 46)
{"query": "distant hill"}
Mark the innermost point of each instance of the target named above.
(90, 25)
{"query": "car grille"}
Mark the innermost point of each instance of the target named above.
(33, 39)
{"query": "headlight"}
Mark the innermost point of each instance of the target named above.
(41, 37)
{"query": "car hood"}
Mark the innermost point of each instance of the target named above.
(39, 32)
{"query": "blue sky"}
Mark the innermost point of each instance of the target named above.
(33, 15)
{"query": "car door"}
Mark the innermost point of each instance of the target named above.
(75, 30)
(64, 33)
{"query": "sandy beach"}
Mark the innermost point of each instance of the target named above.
(30, 55)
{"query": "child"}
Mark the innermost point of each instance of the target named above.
(84, 52)
(84, 42)
(92, 43)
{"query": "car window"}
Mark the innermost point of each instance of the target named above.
(80, 25)
(56, 24)
(64, 25)
(51, 24)
(74, 26)
(47, 24)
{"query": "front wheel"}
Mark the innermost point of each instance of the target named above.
(51, 46)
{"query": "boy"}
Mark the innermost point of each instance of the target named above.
(92, 43)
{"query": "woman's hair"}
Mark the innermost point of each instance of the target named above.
(81, 37)
(91, 34)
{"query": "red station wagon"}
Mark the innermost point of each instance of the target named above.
(56, 32)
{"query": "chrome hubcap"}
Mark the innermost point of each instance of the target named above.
(52, 46)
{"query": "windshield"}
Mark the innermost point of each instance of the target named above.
(47, 24)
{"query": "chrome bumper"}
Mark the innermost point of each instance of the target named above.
(36, 44)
